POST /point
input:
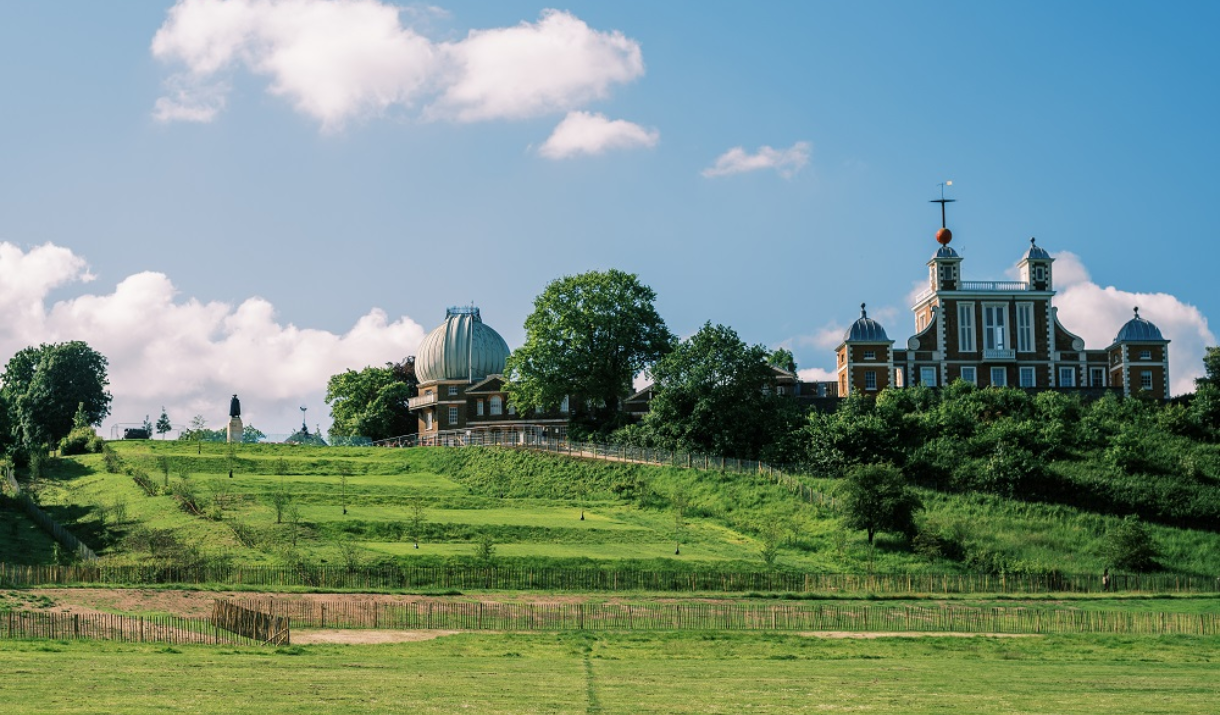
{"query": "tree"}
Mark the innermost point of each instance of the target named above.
(1211, 368)
(876, 498)
(45, 386)
(373, 402)
(417, 519)
(783, 359)
(1130, 547)
(163, 423)
(715, 394)
(587, 338)
(251, 435)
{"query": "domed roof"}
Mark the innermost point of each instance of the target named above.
(1138, 329)
(865, 329)
(1036, 251)
(461, 348)
(946, 252)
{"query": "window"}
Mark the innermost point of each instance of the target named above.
(970, 375)
(1039, 273)
(999, 377)
(512, 409)
(1145, 355)
(428, 420)
(1027, 377)
(453, 415)
(927, 376)
(496, 405)
(995, 327)
(452, 390)
(1067, 377)
(478, 408)
(564, 406)
(1146, 380)
(870, 354)
(1097, 377)
(965, 327)
(1025, 327)
(870, 380)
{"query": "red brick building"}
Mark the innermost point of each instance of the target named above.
(1001, 333)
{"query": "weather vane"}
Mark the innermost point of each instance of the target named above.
(942, 201)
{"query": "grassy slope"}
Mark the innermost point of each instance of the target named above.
(625, 673)
(531, 504)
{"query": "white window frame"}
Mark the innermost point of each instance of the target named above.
(1097, 377)
(1028, 377)
(453, 390)
(1067, 377)
(1025, 327)
(428, 420)
(512, 409)
(870, 380)
(995, 327)
(965, 328)
(1146, 380)
(478, 408)
(453, 414)
(970, 374)
(1002, 373)
(925, 373)
(1145, 355)
(495, 406)
(565, 406)
(870, 354)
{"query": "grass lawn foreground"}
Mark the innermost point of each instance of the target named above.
(624, 673)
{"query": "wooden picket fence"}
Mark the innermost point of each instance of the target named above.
(115, 627)
(709, 616)
(596, 580)
(251, 623)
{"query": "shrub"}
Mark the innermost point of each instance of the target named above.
(1130, 547)
(81, 440)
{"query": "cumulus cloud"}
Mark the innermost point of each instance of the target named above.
(591, 134)
(1096, 314)
(816, 374)
(337, 60)
(784, 161)
(188, 355)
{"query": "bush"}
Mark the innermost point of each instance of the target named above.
(81, 440)
(1130, 547)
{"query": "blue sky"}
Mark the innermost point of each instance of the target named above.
(248, 196)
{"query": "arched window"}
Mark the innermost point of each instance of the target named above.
(496, 404)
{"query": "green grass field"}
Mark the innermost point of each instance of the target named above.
(625, 673)
(529, 505)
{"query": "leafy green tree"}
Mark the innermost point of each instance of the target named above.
(783, 359)
(1130, 546)
(588, 336)
(1211, 368)
(163, 423)
(875, 497)
(713, 393)
(373, 402)
(45, 386)
(251, 435)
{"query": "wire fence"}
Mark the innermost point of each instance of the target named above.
(434, 614)
(596, 580)
(49, 525)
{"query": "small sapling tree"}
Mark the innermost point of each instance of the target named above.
(417, 519)
(163, 423)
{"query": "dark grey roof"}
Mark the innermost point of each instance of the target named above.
(1036, 251)
(946, 252)
(865, 329)
(1138, 329)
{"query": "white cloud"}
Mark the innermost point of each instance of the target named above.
(816, 374)
(184, 354)
(785, 161)
(338, 60)
(1096, 314)
(585, 133)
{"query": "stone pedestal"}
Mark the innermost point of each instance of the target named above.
(235, 430)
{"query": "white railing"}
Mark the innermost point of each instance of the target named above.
(994, 285)
(427, 399)
(994, 354)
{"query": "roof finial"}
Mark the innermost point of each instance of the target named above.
(942, 201)
(1032, 241)
(863, 312)
(1137, 312)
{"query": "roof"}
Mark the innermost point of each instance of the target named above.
(866, 330)
(946, 252)
(1036, 251)
(461, 348)
(1138, 330)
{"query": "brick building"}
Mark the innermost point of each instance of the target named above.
(1001, 333)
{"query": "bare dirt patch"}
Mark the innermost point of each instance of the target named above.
(364, 637)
